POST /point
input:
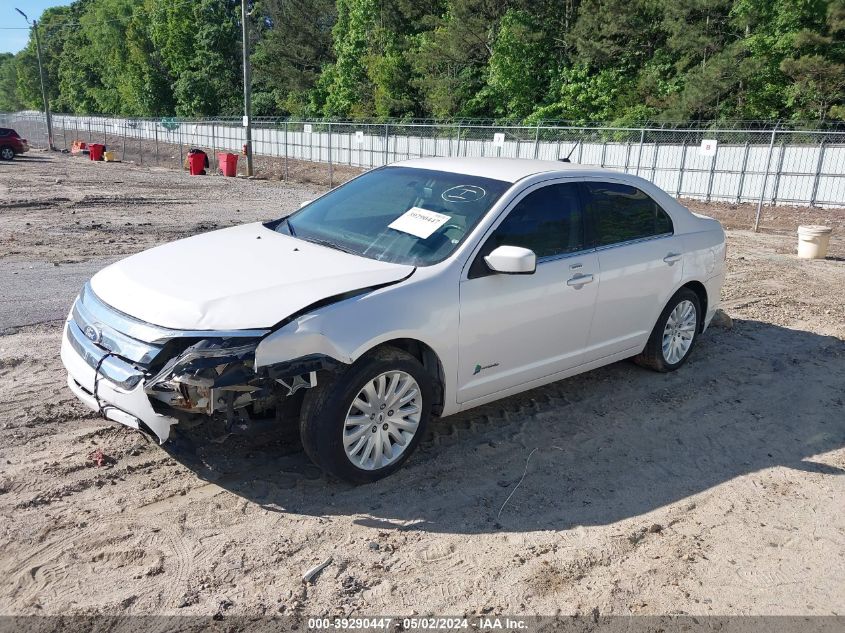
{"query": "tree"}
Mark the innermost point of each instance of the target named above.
(350, 92)
(770, 29)
(581, 96)
(450, 61)
(114, 81)
(53, 31)
(389, 72)
(520, 65)
(620, 60)
(295, 42)
(696, 30)
(621, 34)
(818, 73)
(8, 83)
(390, 61)
(199, 48)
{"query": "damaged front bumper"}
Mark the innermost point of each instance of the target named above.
(119, 388)
(149, 378)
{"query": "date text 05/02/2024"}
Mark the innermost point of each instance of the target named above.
(419, 624)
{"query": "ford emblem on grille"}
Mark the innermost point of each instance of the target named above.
(93, 333)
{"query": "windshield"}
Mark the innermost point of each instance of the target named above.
(397, 214)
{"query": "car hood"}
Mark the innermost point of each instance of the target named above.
(243, 277)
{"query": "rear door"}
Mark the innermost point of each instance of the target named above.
(518, 328)
(640, 262)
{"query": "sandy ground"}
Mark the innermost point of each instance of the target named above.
(717, 489)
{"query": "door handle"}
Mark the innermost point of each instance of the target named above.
(579, 280)
(671, 258)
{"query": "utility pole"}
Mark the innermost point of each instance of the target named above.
(247, 89)
(43, 84)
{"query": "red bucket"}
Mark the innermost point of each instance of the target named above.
(95, 151)
(228, 163)
(196, 162)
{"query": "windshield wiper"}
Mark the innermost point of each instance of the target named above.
(316, 240)
(290, 227)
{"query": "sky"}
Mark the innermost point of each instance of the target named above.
(11, 41)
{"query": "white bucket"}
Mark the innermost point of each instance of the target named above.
(813, 241)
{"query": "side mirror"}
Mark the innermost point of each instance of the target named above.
(305, 204)
(512, 260)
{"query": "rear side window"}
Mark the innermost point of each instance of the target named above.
(548, 221)
(621, 213)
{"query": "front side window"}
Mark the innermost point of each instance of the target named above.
(547, 221)
(397, 214)
(621, 213)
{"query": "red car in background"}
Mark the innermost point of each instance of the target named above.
(11, 143)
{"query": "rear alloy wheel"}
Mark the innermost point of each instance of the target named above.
(674, 334)
(679, 332)
(7, 153)
(362, 424)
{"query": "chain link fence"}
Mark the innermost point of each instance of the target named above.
(772, 166)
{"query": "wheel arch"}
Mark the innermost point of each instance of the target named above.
(701, 292)
(428, 358)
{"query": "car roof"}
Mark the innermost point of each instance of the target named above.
(506, 169)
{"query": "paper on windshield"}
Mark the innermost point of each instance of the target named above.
(419, 222)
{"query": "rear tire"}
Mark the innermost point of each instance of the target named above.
(359, 425)
(6, 153)
(674, 335)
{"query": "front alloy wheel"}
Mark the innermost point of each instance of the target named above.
(383, 420)
(7, 153)
(362, 424)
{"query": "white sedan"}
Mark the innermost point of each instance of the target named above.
(416, 290)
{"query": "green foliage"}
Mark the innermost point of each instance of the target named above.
(8, 83)
(198, 49)
(388, 71)
(582, 60)
(295, 41)
(450, 60)
(818, 70)
(620, 34)
(52, 34)
(519, 67)
(350, 91)
(581, 96)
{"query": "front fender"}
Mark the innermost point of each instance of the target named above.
(425, 309)
(301, 337)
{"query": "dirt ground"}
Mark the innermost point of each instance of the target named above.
(151, 153)
(717, 489)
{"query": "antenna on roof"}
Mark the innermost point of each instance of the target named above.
(566, 160)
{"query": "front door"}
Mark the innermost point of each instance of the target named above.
(518, 328)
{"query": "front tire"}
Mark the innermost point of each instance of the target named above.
(361, 425)
(7, 153)
(674, 335)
